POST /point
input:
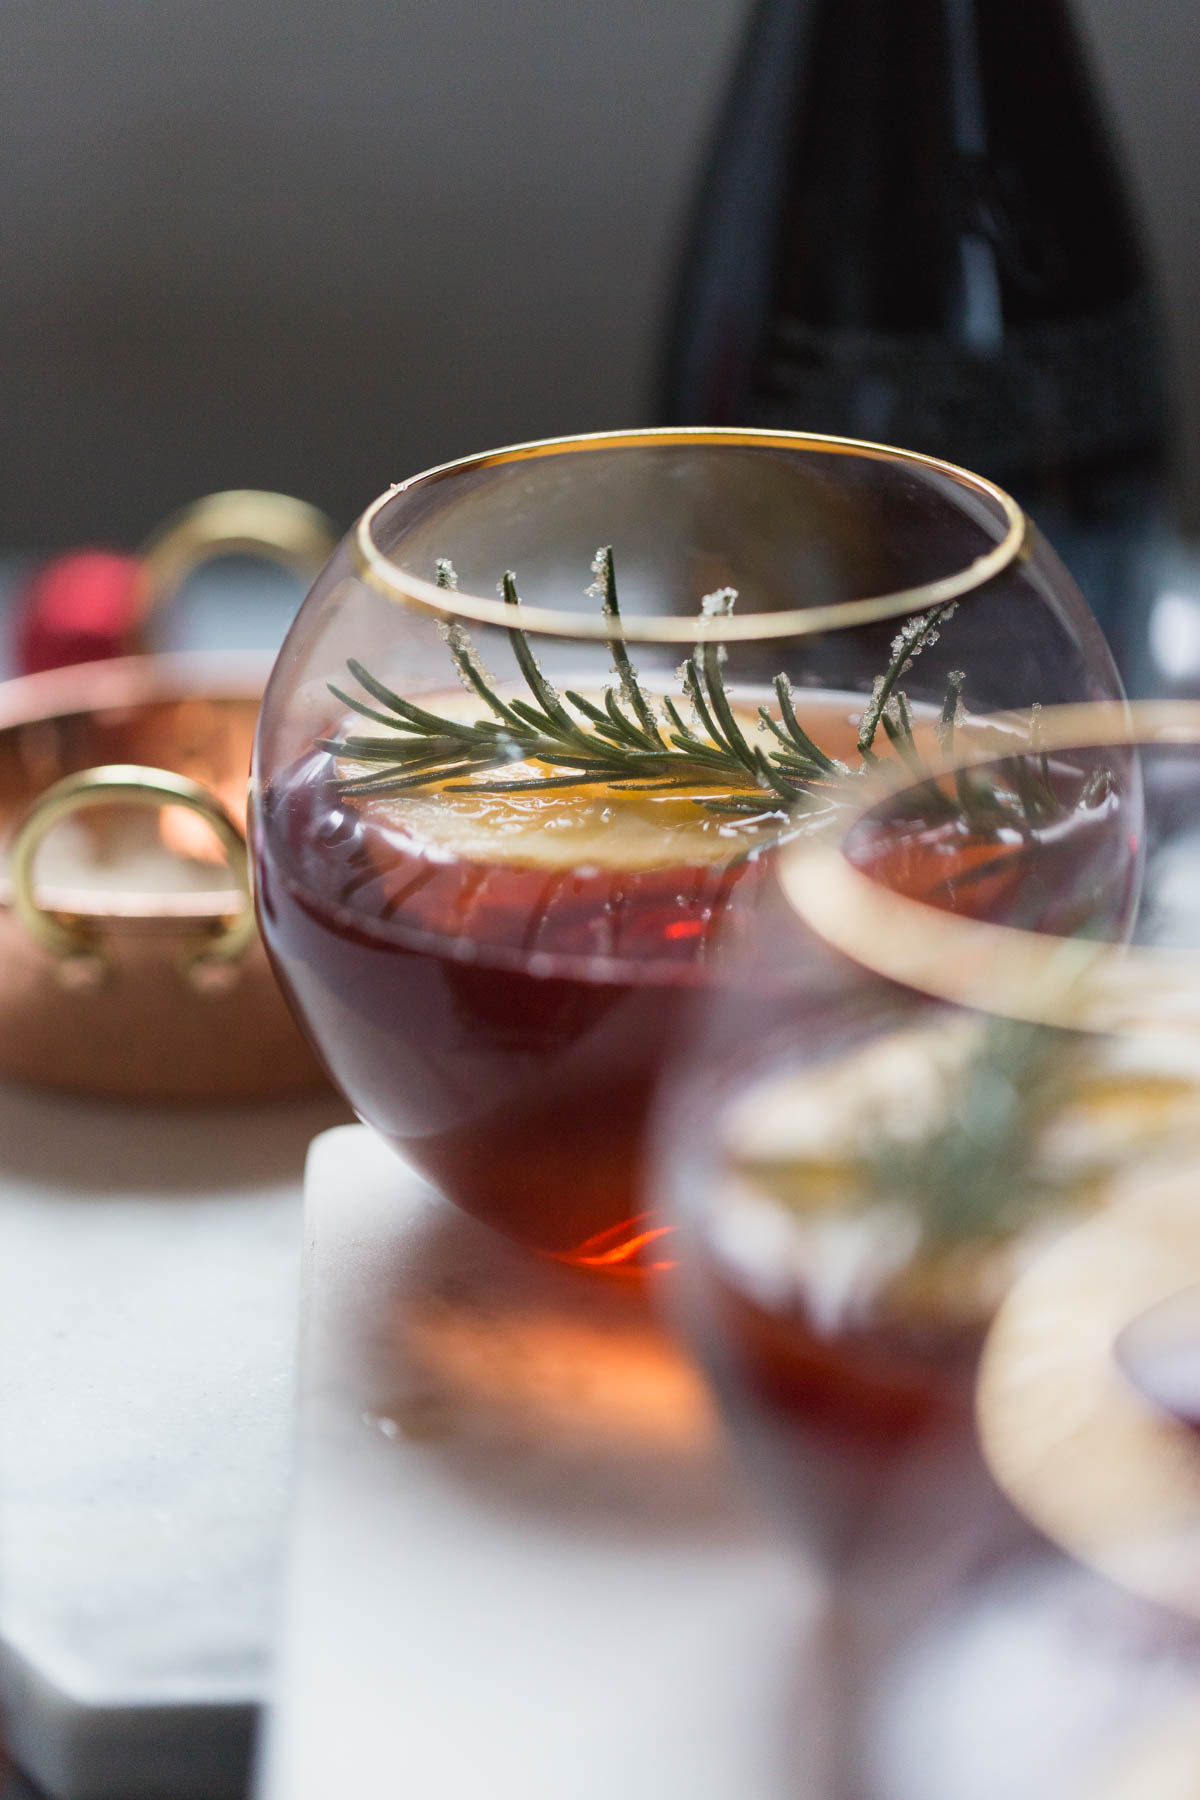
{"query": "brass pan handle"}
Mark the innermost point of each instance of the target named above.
(248, 521)
(74, 943)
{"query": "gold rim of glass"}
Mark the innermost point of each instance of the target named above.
(1073, 983)
(380, 572)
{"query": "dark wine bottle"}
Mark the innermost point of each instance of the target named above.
(913, 229)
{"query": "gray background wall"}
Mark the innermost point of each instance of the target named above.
(318, 245)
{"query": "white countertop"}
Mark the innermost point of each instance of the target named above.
(148, 1303)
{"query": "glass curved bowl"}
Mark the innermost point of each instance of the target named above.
(941, 1258)
(492, 977)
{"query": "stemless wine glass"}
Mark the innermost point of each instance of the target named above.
(534, 733)
(943, 1263)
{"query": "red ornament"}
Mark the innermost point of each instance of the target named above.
(78, 607)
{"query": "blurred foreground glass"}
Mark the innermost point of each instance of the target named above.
(492, 863)
(943, 1264)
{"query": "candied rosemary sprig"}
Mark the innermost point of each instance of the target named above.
(627, 743)
(978, 1172)
(971, 1163)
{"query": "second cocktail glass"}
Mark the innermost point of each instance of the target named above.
(942, 1261)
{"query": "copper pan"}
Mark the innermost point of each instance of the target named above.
(129, 962)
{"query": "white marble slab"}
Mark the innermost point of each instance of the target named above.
(148, 1289)
(520, 1565)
